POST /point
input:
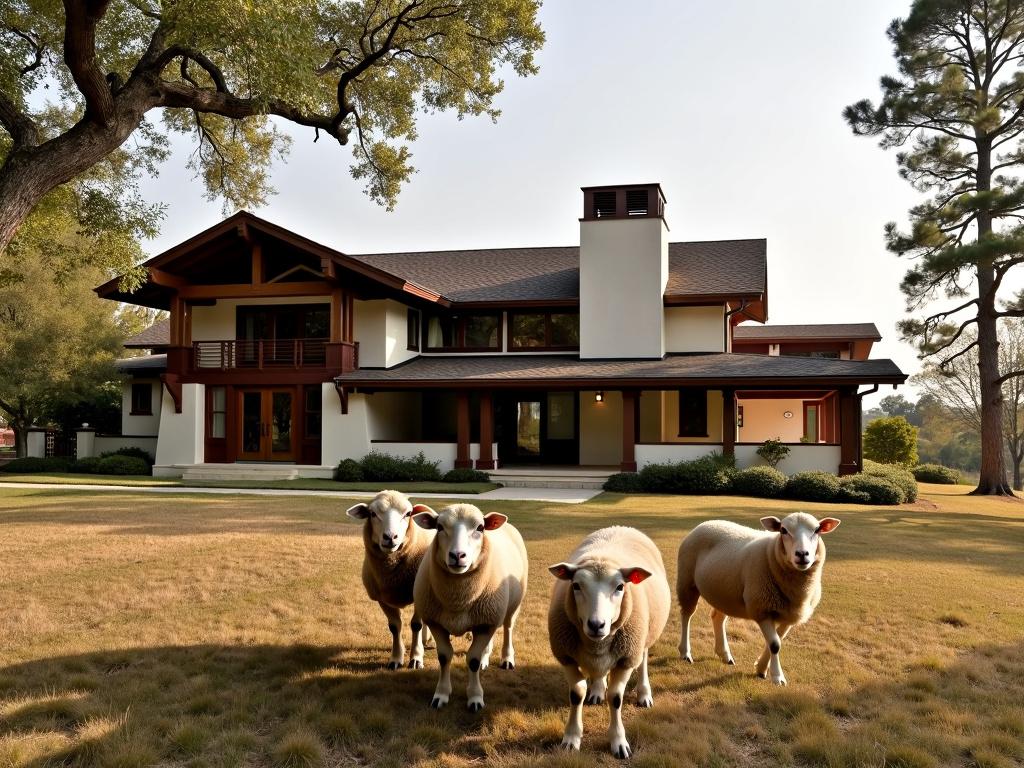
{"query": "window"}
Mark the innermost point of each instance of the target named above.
(544, 331)
(693, 413)
(412, 323)
(312, 407)
(142, 400)
(218, 412)
(464, 333)
(810, 423)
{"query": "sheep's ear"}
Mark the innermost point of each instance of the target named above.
(426, 519)
(771, 524)
(358, 512)
(563, 571)
(494, 520)
(828, 524)
(417, 508)
(635, 575)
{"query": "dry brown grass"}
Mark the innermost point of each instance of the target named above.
(193, 631)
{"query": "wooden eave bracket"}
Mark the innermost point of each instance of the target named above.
(342, 396)
(173, 384)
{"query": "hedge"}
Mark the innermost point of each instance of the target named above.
(765, 482)
(899, 476)
(877, 489)
(936, 473)
(131, 450)
(813, 486)
(348, 471)
(122, 465)
(33, 464)
(466, 475)
(385, 468)
(706, 476)
(624, 482)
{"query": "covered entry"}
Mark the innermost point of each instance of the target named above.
(538, 427)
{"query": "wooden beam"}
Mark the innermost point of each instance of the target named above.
(728, 421)
(343, 397)
(173, 385)
(166, 279)
(486, 460)
(247, 290)
(257, 263)
(849, 432)
(337, 314)
(462, 460)
(629, 424)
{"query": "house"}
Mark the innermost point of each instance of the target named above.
(624, 350)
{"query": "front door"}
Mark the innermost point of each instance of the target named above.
(267, 425)
(539, 428)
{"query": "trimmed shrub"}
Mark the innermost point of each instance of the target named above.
(849, 495)
(813, 486)
(32, 464)
(706, 475)
(773, 451)
(936, 473)
(624, 482)
(122, 465)
(87, 466)
(897, 475)
(466, 475)
(348, 471)
(384, 468)
(879, 490)
(131, 450)
(891, 440)
(765, 482)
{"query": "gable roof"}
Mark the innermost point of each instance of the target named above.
(807, 332)
(157, 335)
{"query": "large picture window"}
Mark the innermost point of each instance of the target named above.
(464, 333)
(544, 331)
(693, 412)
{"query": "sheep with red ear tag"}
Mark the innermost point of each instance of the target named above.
(393, 548)
(770, 576)
(609, 605)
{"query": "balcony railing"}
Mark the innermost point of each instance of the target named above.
(273, 354)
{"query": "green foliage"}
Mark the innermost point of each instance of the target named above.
(936, 473)
(765, 482)
(891, 440)
(624, 482)
(896, 475)
(706, 475)
(466, 475)
(773, 451)
(131, 450)
(348, 471)
(122, 465)
(90, 465)
(384, 468)
(32, 464)
(878, 490)
(813, 486)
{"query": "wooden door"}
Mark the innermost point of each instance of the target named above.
(266, 424)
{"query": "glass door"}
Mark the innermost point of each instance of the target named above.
(528, 429)
(266, 425)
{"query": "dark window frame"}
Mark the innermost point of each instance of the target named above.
(211, 411)
(412, 333)
(547, 346)
(140, 408)
(297, 312)
(307, 434)
(693, 420)
(460, 333)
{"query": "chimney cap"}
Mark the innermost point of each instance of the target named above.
(623, 201)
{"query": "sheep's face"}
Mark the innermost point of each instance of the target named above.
(390, 515)
(799, 534)
(597, 594)
(460, 534)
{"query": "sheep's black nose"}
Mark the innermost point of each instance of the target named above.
(456, 557)
(596, 626)
(803, 555)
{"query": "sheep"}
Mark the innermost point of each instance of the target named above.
(473, 579)
(771, 577)
(394, 548)
(609, 606)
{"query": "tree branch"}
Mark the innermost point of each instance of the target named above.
(22, 129)
(953, 357)
(81, 18)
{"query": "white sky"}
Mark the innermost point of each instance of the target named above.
(733, 106)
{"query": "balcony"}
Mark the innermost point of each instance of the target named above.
(274, 355)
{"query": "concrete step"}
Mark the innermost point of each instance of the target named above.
(590, 478)
(548, 482)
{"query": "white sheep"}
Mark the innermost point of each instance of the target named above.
(473, 579)
(609, 606)
(771, 577)
(393, 549)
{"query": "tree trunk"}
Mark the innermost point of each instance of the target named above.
(1017, 460)
(20, 442)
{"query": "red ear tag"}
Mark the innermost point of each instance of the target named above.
(636, 577)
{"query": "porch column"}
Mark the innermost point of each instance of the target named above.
(629, 408)
(849, 432)
(462, 460)
(486, 460)
(728, 422)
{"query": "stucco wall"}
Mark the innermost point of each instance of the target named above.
(695, 329)
(343, 436)
(650, 417)
(395, 416)
(601, 429)
(140, 425)
(623, 273)
(181, 434)
(670, 454)
(801, 458)
(105, 443)
(217, 322)
(670, 422)
(765, 420)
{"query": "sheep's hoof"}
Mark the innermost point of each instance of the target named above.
(484, 663)
(731, 661)
(779, 680)
(688, 659)
(622, 750)
(594, 698)
(508, 665)
(571, 743)
(416, 664)
(439, 701)
(762, 675)
(393, 665)
(645, 702)
(476, 704)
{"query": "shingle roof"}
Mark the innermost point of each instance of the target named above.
(514, 370)
(808, 331)
(157, 335)
(726, 267)
(152, 363)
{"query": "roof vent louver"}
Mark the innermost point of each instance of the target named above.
(604, 204)
(636, 202)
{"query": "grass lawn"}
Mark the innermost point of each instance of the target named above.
(234, 631)
(303, 484)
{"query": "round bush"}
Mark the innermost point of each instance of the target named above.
(813, 486)
(87, 466)
(899, 476)
(30, 464)
(131, 450)
(704, 476)
(848, 495)
(936, 473)
(624, 482)
(879, 490)
(466, 475)
(384, 468)
(122, 465)
(348, 471)
(764, 482)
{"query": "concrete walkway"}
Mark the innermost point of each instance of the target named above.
(552, 495)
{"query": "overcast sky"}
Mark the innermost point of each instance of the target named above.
(733, 106)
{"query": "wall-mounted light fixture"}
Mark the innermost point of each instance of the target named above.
(599, 397)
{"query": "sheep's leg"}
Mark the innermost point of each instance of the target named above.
(643, 690)
(773, 646)
(597, 689)
(718, 620)
(418, 631)
(483, 637)
(688, 599)
(394, 616)
(508, 652)
(574, 725)
(445, 654)
(485, 658)
(616, 732)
